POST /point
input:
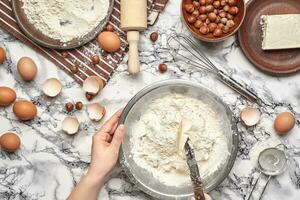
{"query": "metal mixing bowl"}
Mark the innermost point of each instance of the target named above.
(133, 111)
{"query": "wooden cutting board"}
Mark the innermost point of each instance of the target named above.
(275, 62)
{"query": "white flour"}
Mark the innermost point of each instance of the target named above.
(154, 138)
(65, 20)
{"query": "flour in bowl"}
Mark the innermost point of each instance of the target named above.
(65, 20)
(154, 137)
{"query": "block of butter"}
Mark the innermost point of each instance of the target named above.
(280, 31)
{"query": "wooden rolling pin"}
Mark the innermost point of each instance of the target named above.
(133, 20)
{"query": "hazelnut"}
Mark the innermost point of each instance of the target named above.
(233, 10)
(69, 106)
(202, 2)
(230, 23)
(217, 4)
(196, 13)
(74, 69)
(202, 17)
(198, 24)
(209, 1)
(212, 17)
(218, 19)
(204, 30)
(202, 10)
(217, 32)
(209, 8)
(191, 19)
(226, 8)
(95, 59)
(232, 2)
(153, 36)
(162, 67)
(89, 96)
(78, 105)
(216, 11)
(196, 4)
(225, 29)
(212, 27)
(220, 25)
(223, 2)
(64, 54)
(224, 20)
(222, 14)
(189, 8)
(229, 16)
(110, 28)
(207, 21)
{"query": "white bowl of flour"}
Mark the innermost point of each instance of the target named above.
(149, 155)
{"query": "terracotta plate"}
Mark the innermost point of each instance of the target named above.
(35, 35)
(277, 62)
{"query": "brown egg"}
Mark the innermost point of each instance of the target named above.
(109, 41)
(2, 55)
(7, 96)
(10, 142)
(27, 68)
(284, 122)
(24, 110)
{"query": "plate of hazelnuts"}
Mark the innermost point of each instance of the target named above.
(213, 20)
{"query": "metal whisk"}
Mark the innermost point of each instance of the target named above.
(198, 59)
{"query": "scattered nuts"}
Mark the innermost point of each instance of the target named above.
(89, 96)
(2, 55)
(74, 69)
(64, 54)
(202, 17)
(189, 8)
(196, 4)
(209, 8)
(78, 105)
(195, 13)
(69, 106)
(153, 36)
(204, 30)
(110, 28)
(217, 4)
(95, 59)
(162, 67)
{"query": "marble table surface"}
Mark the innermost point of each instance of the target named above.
(50, 163)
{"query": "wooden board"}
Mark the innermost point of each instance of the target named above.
(276, 62)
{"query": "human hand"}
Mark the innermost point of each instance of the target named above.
(106, 145)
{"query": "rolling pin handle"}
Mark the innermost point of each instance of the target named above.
(133, 54)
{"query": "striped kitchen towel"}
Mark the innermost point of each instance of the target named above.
(77, 62)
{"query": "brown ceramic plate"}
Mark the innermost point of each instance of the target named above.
(238, 20)
(276, 62)
(32, 33)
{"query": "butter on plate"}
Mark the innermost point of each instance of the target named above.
(280, 31)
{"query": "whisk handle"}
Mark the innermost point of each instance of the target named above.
(238, 87)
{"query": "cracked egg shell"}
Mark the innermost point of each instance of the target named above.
(93, 84)
(10, 142)
(96, 111)
(70, 125)
(52, 87)
(250, 116)
(24, 110)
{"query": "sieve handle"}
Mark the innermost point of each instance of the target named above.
(238, 87)
(261, 195)
(254, 186)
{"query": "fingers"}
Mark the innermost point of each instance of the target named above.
(103, 137)
(111, 123)
(118, 137)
